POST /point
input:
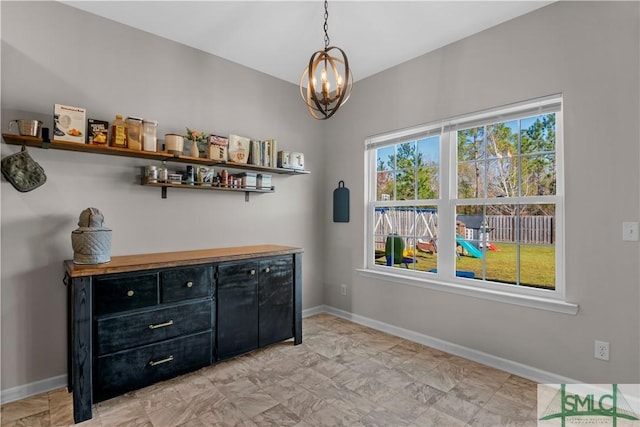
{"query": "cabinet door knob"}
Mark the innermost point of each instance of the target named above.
(130, 293)
(189, 284)
(252, 272)
(266, 270)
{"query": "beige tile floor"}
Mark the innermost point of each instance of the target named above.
(343, 374)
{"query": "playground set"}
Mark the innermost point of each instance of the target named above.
(471, 234)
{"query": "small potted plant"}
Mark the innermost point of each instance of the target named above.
(197, 139)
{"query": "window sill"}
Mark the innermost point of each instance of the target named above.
(548, 304)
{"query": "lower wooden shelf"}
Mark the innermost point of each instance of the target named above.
(245, 190)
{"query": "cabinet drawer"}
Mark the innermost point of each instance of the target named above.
(233, 273)
(125, 292)
(132, 330)
(128, 370)
(184, 283)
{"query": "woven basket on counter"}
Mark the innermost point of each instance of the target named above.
(91, 241)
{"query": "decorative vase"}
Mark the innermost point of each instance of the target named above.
(194, 148)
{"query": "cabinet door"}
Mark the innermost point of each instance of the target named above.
(275, 296)
(237, 308)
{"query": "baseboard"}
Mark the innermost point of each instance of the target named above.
(314, 310)
(516, 368)
(22, 391)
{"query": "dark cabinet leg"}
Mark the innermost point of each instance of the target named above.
(80, 301)
(297, 298)
(67, 282)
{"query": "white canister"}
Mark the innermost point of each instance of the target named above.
(149, 139)
(174, 143)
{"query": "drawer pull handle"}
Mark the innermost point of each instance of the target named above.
(253, 272)
(161, 325)
(130, 293)
(189, 284)
(266, 270)
(160, 362)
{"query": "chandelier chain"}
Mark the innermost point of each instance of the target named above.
(326, 26)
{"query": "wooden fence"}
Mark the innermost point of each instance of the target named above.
(533, 229)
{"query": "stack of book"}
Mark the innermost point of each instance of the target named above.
(263, 153)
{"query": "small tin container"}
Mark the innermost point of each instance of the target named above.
(175, 178)
(247, 179)
(264, 181)
(151, 173)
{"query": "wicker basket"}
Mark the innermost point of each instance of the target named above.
(91, 241)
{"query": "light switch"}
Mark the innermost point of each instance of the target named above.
(630, 231)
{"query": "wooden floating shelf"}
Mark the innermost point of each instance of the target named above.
(245, 190)
(31, 141)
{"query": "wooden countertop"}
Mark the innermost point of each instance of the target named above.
(122, 264)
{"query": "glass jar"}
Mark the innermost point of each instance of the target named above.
(149, 135)
(134, 133)
(163, 173)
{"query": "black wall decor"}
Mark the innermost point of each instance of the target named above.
(341, 203)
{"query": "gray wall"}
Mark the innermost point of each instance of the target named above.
(590, 53)
(52, 53)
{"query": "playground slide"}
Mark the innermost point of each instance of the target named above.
(472, 250)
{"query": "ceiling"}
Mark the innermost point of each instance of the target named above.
(278, 37)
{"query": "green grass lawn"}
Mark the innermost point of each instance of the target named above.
(537, 265)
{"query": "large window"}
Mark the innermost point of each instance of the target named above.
(472, 201)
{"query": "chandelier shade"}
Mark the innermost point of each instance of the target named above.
(326, 83)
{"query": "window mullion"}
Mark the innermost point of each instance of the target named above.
(446, 211)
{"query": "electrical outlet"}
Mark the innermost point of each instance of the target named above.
(343, 289)
(601, 350)
(630, 231)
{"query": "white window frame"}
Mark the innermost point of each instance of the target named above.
(445, 279)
